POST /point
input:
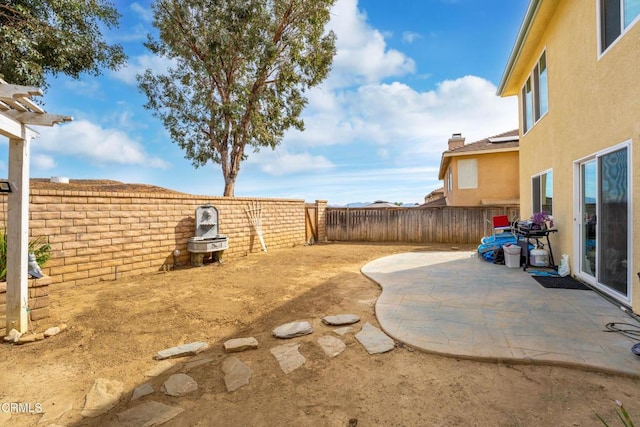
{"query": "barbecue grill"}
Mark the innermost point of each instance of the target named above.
(207, 240)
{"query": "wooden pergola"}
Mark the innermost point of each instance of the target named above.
(17, 111)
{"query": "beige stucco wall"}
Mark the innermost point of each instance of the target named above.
(497, 179)
(594, 103)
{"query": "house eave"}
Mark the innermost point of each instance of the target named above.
(527, 23)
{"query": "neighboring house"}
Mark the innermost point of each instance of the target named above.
(434, 199)
(481, 173)
(381, 204)
(575, 68)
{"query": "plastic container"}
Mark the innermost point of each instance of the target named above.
(512, 256)
(539, 258)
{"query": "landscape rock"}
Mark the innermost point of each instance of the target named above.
(142, 390)
(27, 338)
(159, 368)
(197, 362)
(148, 414)
(240, 344)
(190, 349)
(53, 409)
(343, 331)
(54, 330)
(374, 340)
(12, 336)
(331, 346)
(288, 357)
(179, 384)
(293, 329)
(236, 373)
(103, 396)
(341, 319)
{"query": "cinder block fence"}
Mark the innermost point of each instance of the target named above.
(101, 235)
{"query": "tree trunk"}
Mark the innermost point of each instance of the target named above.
(229, 187)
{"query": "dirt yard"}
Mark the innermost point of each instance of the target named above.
(116, 327)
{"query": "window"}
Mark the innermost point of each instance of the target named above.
(535, 94)
(449, 180)
(468, 173)
(542, 192)
(615, 17)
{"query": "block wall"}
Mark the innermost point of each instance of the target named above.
(96, 235)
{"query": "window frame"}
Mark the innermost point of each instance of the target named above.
(623, 29)
(537, 204)
(534, 90)
(464, 174)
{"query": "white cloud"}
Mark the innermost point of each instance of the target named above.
(42, 161)
(96, 145)
(410, 36)
(139, 64)
(280, 162)
(146, 14)
(362, 55)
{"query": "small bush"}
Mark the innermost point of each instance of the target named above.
(39, 247)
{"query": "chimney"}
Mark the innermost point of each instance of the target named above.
(456, 141)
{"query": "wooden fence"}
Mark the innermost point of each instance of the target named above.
(433, 225)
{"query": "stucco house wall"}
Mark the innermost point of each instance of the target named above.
(594, 104)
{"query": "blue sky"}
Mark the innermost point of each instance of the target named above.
(407, 75)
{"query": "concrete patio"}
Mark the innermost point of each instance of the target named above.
(457, 304)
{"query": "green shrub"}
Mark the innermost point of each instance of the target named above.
(39, 247)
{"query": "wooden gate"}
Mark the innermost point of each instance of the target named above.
(311, 222)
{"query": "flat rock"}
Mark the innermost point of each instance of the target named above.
(341, 319)
(374, 340)
(293, 329)
(54, 330)
(179, 384)
(240, 344)
(343, 331)
(331, 346)
(27, 338)
(53, 410)
(103, 396)
(148, 414)
(236, 373)
(288, 357)
(142, 390)
(198, 362)
(159, 368)
(190, 349)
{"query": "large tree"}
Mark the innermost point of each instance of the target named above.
(41, 37)
(239, 75)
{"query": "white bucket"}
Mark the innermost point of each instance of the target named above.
(512, 256)
(539, 258)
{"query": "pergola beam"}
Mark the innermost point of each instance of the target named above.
(39, 119)
(9, 127)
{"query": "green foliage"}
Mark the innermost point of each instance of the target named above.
(622, 414)
(239, 73)
(38, 246)
(40, 37)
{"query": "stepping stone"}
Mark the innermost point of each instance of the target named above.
(293, 329)
(374, 340)
(341, 319)
(343, 331)
(331, 346)
(53, 410)
(197, 362)
(159, 369)
(236, 373)
(142, 390)
(240, 344)
(288, 357)
(179, 384)
(103, 396)
(148, 414)
(190, 349)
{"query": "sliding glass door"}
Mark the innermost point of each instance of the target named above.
(603, 221)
